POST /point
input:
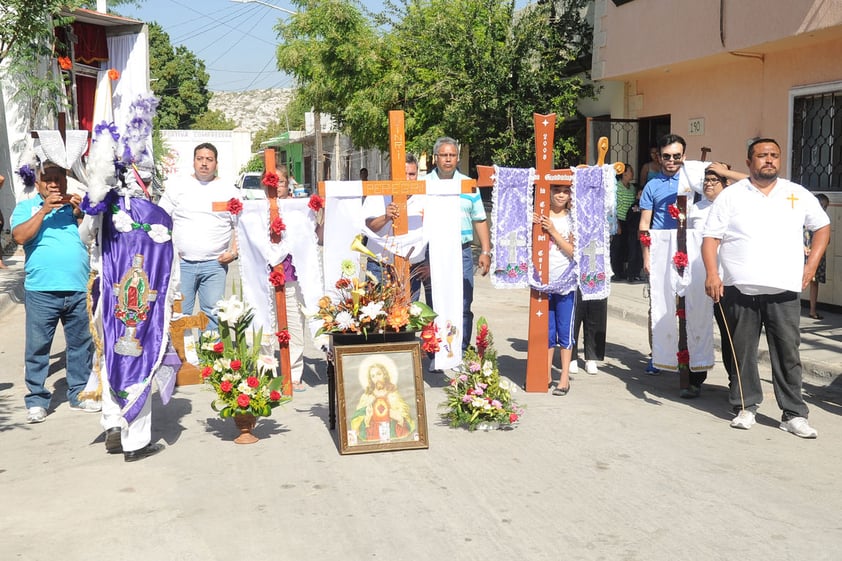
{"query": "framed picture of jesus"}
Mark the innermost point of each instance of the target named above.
(380, 397)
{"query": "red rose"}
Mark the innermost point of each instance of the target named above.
(343, 283)
(645, 239)
(207, 371)
(674, 212)
(316, 203)
(274, 395)
(513, 417)
(277, 226)
(235, 206)
(113, 73)
(243, 400)
(65, 63)
(681, 313)
(270, 179)
(226, 386)
(277, 278)
(252, 381)
(680, 259)
(683, 356)
(236, 365)
(283, 337)
(218, 347)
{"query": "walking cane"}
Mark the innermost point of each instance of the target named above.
(733, 356)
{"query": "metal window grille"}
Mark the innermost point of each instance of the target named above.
(817, 141)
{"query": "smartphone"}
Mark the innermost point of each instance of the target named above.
(65, 199)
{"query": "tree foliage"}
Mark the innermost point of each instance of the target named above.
(179, 79)
(471, 69)
(213, 120)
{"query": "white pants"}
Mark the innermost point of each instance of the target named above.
(134, 435)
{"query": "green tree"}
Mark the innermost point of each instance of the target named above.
(213, 120)
(179, 79)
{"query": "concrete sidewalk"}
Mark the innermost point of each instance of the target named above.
(821, 340)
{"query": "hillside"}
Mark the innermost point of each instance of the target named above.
(253, 109)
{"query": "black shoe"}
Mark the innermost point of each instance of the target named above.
(145, 452)
(113, 442)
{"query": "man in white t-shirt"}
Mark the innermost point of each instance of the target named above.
(756, 227)
(203, 237)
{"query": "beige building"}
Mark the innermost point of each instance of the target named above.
(721, 72)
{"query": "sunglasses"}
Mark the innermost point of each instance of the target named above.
(675, 157)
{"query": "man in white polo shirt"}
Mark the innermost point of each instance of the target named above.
(756, 227)
(202, 236)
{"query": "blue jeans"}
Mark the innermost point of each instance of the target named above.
(43, 312)
(467, 294)
(208, 279)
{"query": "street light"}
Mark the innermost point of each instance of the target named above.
(262, 3)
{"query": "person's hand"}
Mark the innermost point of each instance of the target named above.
(226, 257)
(807, 251)
(484, 262)
(52, 201)
(808, 276)
(422, 272)
(646, 263)
(713, 287)
(392, 211)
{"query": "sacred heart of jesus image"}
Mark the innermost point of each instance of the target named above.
(133, 297)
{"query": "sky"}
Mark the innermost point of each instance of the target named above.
(236, 40)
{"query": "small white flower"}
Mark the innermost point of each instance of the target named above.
(372, 310)
(478, 403)
(415, 310)
(344, 320)
(244, 388)
(222, 364)
(504, 384)
(159, 233)
(267, 364)
(122, 221)
(487, 368)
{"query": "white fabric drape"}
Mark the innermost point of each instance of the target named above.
(665, 284)
(129, 55)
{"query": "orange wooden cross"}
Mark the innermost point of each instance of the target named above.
(545, 175)
(400, 188)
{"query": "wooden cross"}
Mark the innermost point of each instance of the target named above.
(400, 189)
(537, 349)
(269, 163)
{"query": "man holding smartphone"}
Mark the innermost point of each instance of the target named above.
(55, 289)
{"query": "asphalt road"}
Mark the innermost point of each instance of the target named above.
(619, 469)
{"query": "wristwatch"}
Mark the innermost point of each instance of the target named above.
(485, 253)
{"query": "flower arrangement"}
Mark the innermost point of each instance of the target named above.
(368, 306)
(477, 396)
(243, 379)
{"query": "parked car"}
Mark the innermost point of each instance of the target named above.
(249, 186)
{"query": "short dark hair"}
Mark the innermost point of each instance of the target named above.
(206, 146)
(668, 139)
(755, 141)
(411, 159)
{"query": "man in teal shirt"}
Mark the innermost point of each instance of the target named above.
(446, 151)
(55, 289)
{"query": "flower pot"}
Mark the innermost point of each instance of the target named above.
(245, 424)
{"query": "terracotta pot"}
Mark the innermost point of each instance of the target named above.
(245, 424)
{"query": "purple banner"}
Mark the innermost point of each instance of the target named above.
(591, 205)
(512, 228)
(135, 277)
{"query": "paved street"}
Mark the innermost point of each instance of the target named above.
(618, 469)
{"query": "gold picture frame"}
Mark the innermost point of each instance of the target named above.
(380, 397)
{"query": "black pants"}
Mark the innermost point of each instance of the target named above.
(593, 315)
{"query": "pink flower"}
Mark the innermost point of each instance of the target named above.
(513, 417)
(474, 366)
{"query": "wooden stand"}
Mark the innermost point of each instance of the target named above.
(188, 374)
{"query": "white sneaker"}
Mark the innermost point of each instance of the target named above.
(799, 427)
(87, 406)
(590, 367)
(744, 420)
(574, 367)
(36, 415)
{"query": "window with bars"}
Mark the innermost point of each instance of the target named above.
(817, 141)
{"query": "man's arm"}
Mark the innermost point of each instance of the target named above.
(645, 223)
(25, 231)
(821, 238)
(484, 235)
(710, 257)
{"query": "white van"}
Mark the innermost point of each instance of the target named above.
(249, 186)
